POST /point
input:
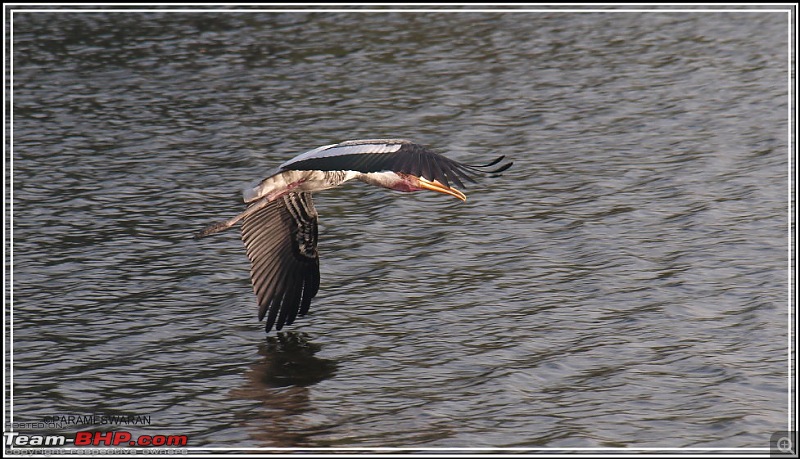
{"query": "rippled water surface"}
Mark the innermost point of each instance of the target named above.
(623, 285)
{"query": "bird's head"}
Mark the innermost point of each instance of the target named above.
(434, 185)
(408, 182)
(400, 181)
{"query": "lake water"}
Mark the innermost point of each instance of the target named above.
(624, 285)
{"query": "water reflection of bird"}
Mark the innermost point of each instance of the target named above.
(279, 226)
(280, 379)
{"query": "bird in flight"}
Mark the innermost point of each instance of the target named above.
(279, 225)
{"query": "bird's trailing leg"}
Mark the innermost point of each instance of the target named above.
(254, 207)
(223, 225)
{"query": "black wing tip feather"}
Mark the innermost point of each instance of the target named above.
(497, 172)
(490, 164)
(457, 171)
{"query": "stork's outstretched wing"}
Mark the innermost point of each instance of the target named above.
(281, 242)
(378, 155)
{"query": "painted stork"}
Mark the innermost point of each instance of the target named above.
(279, 225)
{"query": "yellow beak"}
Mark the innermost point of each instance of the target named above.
(436, 186)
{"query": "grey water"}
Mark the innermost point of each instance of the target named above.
(625, 284)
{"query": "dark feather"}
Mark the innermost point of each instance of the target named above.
(281, 242)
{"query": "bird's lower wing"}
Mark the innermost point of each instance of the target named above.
(281, 242)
